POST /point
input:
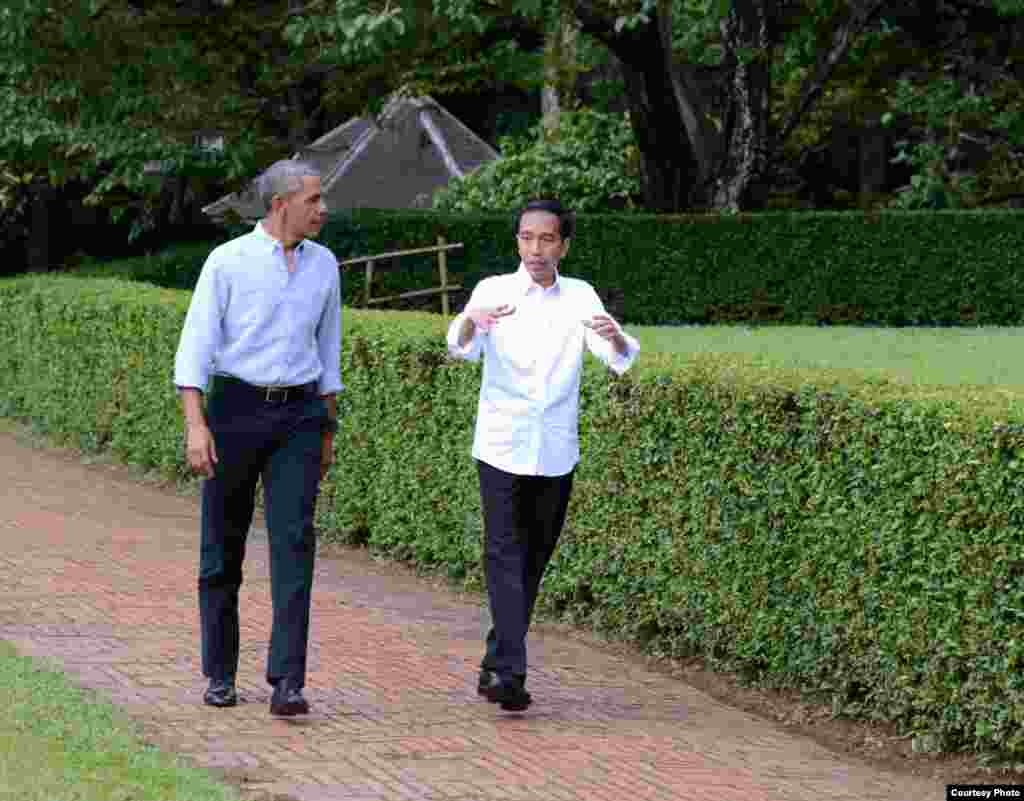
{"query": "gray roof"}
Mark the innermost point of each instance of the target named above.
(414, 147)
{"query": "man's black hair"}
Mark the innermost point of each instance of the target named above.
(566, 219)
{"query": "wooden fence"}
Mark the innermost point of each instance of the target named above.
(441, 249)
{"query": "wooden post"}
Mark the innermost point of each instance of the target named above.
(369, 280)
(442, 264)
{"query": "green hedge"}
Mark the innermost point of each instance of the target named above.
(860, 541)
(927, 268)
(849, 268)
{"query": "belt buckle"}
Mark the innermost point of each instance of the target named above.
(269, 397)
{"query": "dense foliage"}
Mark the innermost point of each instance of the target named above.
(724, 97)
(915, 268)
(589, 161)
(860, 541)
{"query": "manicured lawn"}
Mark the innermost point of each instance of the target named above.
(59, 744)
(933, 356)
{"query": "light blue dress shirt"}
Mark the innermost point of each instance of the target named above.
(253, 319)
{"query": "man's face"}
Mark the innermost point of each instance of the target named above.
(541, 246)
(303, 213)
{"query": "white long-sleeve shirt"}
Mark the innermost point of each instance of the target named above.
(528, 415)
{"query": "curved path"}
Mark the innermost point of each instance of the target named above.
(98, 571)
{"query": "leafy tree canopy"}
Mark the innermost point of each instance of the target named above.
(589, 161)
(92, 90)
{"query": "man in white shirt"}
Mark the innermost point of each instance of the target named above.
(262, 342)
(531, 327)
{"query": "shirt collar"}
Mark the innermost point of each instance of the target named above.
(263, 236)
(524, 283)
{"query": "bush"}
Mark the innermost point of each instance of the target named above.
(922, 268)
(590, 161)
(176, 267)
(858, 541)
(914, 268)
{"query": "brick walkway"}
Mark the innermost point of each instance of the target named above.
(98, 574)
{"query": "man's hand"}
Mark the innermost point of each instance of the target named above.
(326, 453)
(327, 443)
(200, 449)
(484, 319)
(606, 328)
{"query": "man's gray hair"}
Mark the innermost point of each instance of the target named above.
(282, 178)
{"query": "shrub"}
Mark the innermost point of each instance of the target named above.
(590, 161)
(913, 268)
(860, 541)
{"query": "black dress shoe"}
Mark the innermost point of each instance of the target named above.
(509, 694)
(221, 692)
(287, 699)
(486, 679)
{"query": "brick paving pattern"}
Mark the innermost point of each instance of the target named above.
(99, 576)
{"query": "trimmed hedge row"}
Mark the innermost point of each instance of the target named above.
(856, 542)
(906, 268)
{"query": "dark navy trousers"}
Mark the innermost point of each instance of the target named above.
(280, 443)
(523, 518)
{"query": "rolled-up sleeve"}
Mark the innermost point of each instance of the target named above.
(617, 363)
(329, 340)
(202, 332)
(471, 350)
(605, 351)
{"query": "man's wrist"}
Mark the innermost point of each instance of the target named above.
(467, 330)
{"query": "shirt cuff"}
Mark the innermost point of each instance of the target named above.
(191, 382)
(620, 362)
(329, 388)
(462, 351)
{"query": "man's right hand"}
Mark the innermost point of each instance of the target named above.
(484, 319)
(200, 449)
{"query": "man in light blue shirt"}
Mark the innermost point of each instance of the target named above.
(262, 343)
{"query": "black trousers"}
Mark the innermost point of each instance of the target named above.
(523, 518)
(279, 442)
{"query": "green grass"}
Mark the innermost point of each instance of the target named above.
(989, 357)
(58, 743)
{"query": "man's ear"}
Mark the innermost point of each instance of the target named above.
(565, 247)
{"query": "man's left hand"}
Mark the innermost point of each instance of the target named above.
(326, 453)
(606, 328)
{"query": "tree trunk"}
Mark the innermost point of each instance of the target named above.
(739, 182)
(685, 161)
(669, 171)
(39, 255)
(705, 141)
(559, 69)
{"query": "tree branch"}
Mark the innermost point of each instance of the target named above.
(842, 38)
(602, 28)
(692, 108)
(298, 12)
